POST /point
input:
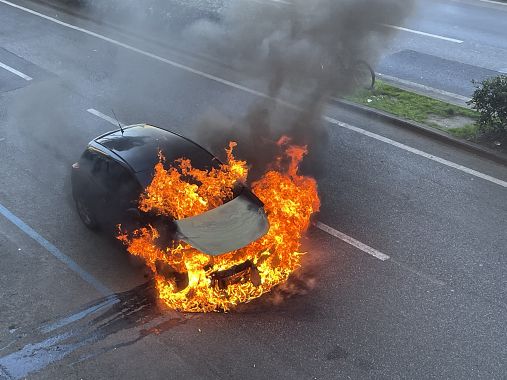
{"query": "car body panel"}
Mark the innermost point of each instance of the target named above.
(117, 167)
(226, 228)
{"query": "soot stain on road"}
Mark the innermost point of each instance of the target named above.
(131, 316)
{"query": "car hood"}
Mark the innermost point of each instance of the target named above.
(226, 228)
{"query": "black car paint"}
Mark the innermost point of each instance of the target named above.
(117, 167)
(108, 183)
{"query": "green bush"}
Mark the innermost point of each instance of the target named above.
(490, 99)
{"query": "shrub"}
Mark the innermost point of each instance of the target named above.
(490, 99)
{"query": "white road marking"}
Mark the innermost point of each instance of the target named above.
(139, 51)
(484, 4)
(353, 242)
(71, 264)
(493, 2)
(423, 33)
(375, 253)
(263, 95)
(109, 119)
(425, 88)
(15, 72)
(418, 152)
(273, 1)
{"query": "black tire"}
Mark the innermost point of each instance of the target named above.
(85, 214)
(364, 75)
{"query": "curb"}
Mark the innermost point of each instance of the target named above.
(424, 130)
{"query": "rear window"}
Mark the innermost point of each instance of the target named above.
(139, 147)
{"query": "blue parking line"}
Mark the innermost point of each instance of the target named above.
(71, 264)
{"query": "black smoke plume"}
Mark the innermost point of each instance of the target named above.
(299, 52)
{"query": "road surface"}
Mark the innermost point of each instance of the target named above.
(405, 275)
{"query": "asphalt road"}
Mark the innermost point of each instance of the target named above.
(438, 50)
(468, 42)
(434, 308)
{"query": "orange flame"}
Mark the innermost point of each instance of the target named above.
(183, 191)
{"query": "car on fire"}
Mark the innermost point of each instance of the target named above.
(116, 168)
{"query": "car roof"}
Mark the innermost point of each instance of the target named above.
(138, 146)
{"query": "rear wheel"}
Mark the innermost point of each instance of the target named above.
(85, 213)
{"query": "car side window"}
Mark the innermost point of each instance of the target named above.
(121, 182)
(111, 176)
(93, 161)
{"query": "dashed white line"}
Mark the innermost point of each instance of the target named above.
(353, 242)
(105, 117)
(263, 95)
(423, 33)
(15, 72)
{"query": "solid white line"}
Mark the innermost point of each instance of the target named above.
(71, 264)
(262, 95)
(274, 1)
(484, 5)
(15, 72)
(423, 33)
(136, 50)
(353, 242)
(418, 152)
(425, 88)
(494, 2)
(103, 116)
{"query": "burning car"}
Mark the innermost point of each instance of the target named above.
(211, 241)
(117, 167)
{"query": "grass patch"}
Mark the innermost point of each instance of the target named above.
(468, 132)
(410, 105)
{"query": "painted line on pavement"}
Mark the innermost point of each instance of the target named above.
(272, 1)
(418, 152)
(15, 72)
(103, 116)
(375, 253)
(423, 33)
(139, 51)
(493, 2)
(263, 95)
(484, 4)
(424, 87)
(351, 241)
(71, 264)
(109, 301)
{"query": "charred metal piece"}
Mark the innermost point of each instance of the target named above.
(238, 274)
(179, 279)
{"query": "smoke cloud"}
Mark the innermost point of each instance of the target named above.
(299, 51)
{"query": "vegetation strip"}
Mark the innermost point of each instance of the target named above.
(456, 120)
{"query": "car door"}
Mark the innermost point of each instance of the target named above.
(88, 181)
(122, 191)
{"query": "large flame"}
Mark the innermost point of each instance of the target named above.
(182, 191)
